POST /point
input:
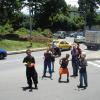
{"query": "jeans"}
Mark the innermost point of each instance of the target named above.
(47, 64)
(75, 67)
(83, 78)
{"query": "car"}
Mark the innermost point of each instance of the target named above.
(73, 34)
(79, 39)
(3, 53)
(62, 44)
(60, 34)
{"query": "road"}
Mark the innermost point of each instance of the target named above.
(12, 79)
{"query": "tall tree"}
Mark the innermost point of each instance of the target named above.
(49, 9)
(8, 8)
(88, 7)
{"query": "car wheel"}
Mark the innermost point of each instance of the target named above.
(1, 56)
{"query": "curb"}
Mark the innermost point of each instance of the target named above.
(23, 51)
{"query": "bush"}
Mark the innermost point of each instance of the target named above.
(47, 33)
(6, 29)
(22, 32)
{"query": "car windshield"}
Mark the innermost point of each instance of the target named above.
(79, 36)
(55, 42)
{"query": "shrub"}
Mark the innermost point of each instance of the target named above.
(47, 33)
(6, 29)
(22, 32)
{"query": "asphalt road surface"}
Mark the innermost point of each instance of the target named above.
(13, 79)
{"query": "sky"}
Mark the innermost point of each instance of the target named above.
(71, 2)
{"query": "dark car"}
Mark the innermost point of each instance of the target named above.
(3, 53)
(60, 34)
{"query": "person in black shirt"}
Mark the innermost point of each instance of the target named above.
(63, 67)
(31, 73)
(47, 63)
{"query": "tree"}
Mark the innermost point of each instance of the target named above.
(89, 6)
(49, 9)
(8, 8)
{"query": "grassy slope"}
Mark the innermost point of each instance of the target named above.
(19, 45)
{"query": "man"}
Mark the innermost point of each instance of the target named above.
(31, 73)
(47, 63)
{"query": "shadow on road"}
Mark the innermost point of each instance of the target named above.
(30, 89)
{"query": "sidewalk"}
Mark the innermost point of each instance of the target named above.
(23, 51)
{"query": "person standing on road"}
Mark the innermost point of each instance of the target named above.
(74, 53)
(47, 63)
(63, 68)
(79, 51)
(52, 61)
(82, 71)
(31, 73)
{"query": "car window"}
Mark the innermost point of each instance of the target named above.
(66, 42)
(55, 42)
(62, 42)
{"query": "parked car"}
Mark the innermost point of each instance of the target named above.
(79, 39)
(61, 44)
(73, 34)
(3, 53)
(60, 34)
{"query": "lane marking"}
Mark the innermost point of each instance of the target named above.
(97, 65)
(98, 61)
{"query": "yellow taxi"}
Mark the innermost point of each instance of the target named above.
(61, 44)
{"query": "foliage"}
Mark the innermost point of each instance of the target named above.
(5, 29)
(22, 31)
(19, 45)
(87, 7)
(8, 8)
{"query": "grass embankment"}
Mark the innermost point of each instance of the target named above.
(11, 45)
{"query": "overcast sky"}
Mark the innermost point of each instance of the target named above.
(72, 2)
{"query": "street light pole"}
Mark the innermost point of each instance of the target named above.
(30, 24)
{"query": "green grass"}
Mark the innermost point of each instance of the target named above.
(10, 45)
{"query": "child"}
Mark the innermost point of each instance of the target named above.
(31, 73)
(82, 71)
(63, 68)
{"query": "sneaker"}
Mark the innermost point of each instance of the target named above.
(36, 86)
(43, 76)
(72, 76)
(79, 86)
(67, 80)
(59, 80)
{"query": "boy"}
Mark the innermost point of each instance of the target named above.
(82, 71)
(63, 68)
(31, 73)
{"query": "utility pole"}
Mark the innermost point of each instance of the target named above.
(30, 21)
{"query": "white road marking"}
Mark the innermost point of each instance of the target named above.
(98, 61)
(94, 64)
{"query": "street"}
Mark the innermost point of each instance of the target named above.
(13, 78)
